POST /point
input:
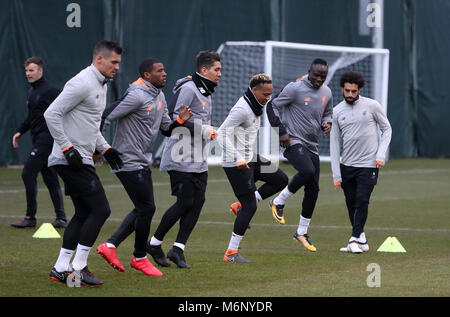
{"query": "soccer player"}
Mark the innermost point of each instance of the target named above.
(184, 156)
(40, 96)
(242, 166)
(301, 111)
(139, 116)
(74, 121)
(356, 123)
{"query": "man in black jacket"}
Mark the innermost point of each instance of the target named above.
(40, 96)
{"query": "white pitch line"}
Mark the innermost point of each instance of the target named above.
(331, 227)
(225, 223)
(224, 180)
(110, 186)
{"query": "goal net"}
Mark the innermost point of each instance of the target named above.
(286, 62)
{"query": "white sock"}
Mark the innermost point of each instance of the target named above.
(138, 259)
(303, 225)
(80, 259)
(258, 197)
(154, 241)
(282, 197)
(62, 263)
(179, 245)
(110, 245)
(352, 239)
(235, 241)
(362, 238)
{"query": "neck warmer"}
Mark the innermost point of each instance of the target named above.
(252, 102)
(204, 85)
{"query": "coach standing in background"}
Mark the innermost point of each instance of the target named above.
(74, 122)
(301, 111)
(40, 96)
(356, 121)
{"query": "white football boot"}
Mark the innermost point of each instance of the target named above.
(363, 246)
(352, 247)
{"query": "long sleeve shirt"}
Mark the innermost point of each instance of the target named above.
(238, 133)
(74, 117)
(300, 110)
(140, 115)
(357, 127)
(40, 95)
(186, 151)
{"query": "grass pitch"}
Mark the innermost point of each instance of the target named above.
(410, 202)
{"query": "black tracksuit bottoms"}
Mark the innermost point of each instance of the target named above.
(37, 162)
(358, 184)
(139, 186)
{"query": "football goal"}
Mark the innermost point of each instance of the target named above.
(286, 62)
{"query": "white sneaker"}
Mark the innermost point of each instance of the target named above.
(352, 247)
(364, 246)
(343, 249)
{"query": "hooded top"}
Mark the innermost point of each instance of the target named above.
(187, 148)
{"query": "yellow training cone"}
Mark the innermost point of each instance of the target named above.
(391, 244)
(46, 230)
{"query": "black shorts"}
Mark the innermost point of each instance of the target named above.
(241, 181)
(139, 186)
(181, 180)
(79, 181)
(260, 165)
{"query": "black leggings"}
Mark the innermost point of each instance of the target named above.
(139, 187)
(91, 205)
(308, 166)
(274, 178)
(189, 188)
(243, 184)
(248, 202)
(91, 213)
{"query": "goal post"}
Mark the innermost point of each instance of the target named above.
(286, 62)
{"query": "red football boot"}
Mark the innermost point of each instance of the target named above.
(145, 266)
(109, 254)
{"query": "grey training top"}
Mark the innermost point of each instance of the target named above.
(74, 117)
(357, 127)
(303, 110)
(185, 151)
(139, 117)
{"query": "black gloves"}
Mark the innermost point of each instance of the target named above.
(73, 157)
(75, 160)
(113, 158)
